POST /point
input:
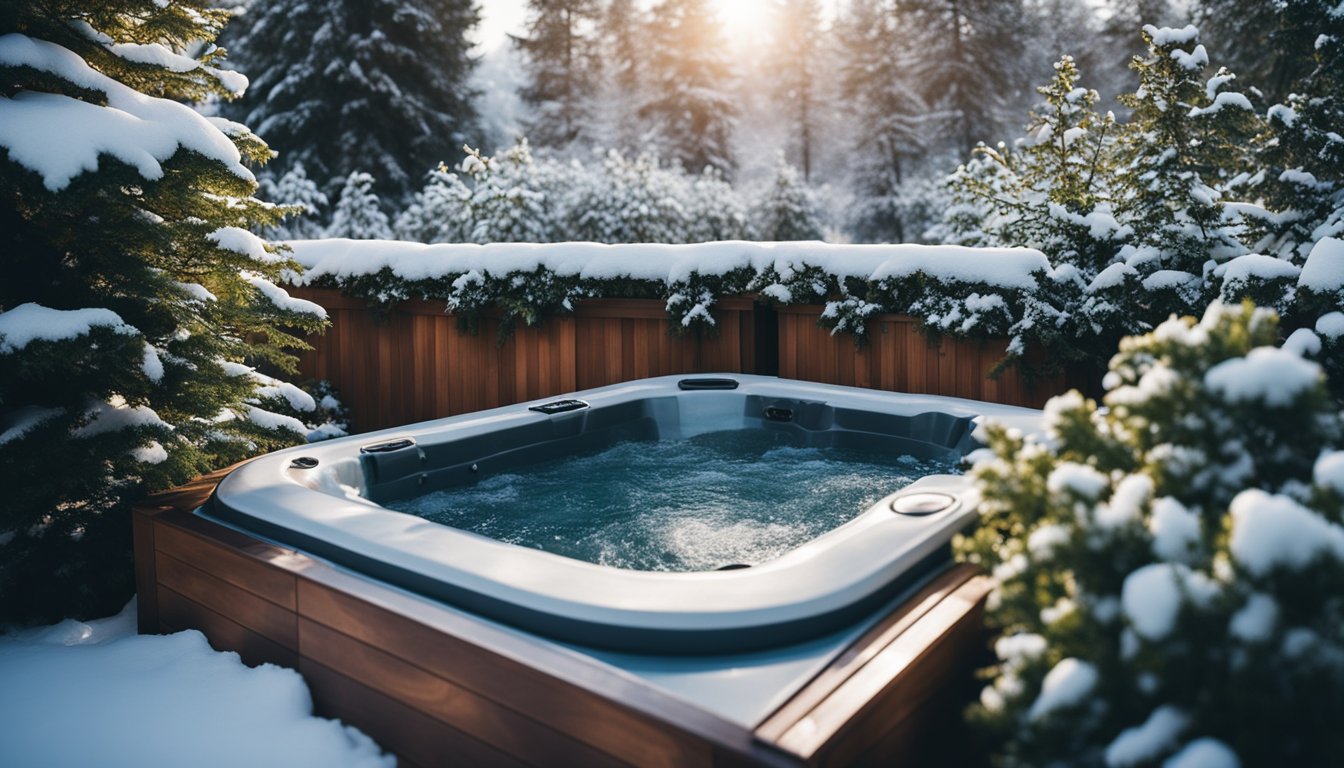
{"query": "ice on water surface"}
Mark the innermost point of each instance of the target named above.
(685, 505)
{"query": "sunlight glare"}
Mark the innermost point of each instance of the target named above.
(744, 19)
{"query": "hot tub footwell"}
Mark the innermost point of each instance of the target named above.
(440, 686)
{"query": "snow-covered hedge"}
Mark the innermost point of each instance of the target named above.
(1170, 568)
(957, 290)
(975, 292)
(1202, 193)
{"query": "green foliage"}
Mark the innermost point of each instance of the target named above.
(691, 117)
(1194, 197)
(93, 418)
(1132, 551)
(348, 85)
(788, 210)
(561, 57)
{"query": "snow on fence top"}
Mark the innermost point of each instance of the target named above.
(960, 290)
(1009, 268)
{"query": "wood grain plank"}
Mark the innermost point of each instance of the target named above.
(142, 532)
(246, 572)
(897, 679)
(261, 616)
(607, 724)
(180, 612)
(862, 651)
(449, 703)
(419, 739)
(568, 354)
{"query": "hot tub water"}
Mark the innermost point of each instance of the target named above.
(723, 498)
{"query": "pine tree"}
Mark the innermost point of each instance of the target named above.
(359, 214)
(440, 213)
(340, 85)
(508, 197)
(1303, 151)
(687, 109)
(796, 69)
(295, 190)
(972, 64)
(1050, 192)
(1267, 43)
(621, 42)
(1169, 570)
(890, 116)
(788, 210)
(131, 287)
(1187, 136)
(560, 55)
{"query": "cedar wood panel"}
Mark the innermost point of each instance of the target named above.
(411, 363)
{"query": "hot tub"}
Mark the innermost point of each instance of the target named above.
(329, 500)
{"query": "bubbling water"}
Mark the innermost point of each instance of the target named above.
(738, 497)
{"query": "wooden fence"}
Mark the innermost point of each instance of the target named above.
(413, 363)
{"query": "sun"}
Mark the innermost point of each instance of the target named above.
(744, 19)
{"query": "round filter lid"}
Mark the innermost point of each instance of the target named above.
(922, 503)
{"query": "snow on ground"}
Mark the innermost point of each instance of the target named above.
(97, 694)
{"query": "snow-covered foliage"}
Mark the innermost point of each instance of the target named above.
(349, 85)
(1170, 568)
(301, 193)
(1186, 201)
(788, 210)
(359, 213)
(514, 197)
(687, 107)
(508, 197)
(131, 279)
(154, 701)
(973, 292)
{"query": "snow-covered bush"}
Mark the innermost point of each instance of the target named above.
(509, 197)
(309, 205)
(788, 210)
(359, 214)
(1170, 568)
(439, 213)
(515, 197)
(1196, 196)
(131, 287)
(626, 200)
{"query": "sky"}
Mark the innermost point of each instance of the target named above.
(744, 19)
